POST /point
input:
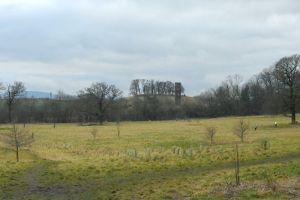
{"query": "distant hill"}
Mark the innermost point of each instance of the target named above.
(38, 94)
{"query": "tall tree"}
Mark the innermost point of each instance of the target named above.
(12, 93)
(99, 96)
(287, 72)
(135, 87)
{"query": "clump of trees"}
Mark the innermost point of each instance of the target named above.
(96, 99)
(273, 91)
(139, 87)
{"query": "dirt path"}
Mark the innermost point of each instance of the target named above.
(32, 179)
(37, 189)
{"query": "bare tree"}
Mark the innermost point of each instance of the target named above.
(17, 139)
(287, 72)
(99, 96)
(211, 132)
(61, 95)
(94, 133)
(12, 93)
(234, 83)
(135, 87)
(241, 129)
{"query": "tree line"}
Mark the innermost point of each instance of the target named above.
(275, 90)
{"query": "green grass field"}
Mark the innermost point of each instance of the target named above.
(154, 160)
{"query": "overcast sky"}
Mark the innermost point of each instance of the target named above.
(68, 44)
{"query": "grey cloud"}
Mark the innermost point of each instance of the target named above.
(73, 43)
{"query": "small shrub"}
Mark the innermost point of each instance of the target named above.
(265, 144)
(255, 127)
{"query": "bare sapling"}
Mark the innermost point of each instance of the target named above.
(94, 133)
(210, 133)
(241, 129)
(18, 139)
(118, 129)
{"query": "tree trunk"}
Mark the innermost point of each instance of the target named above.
(237, 166)
(17, 154)
(293, 106)
(9, 113)
(101, 111)
(294, 116)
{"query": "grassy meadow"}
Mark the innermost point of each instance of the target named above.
(154, 160)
